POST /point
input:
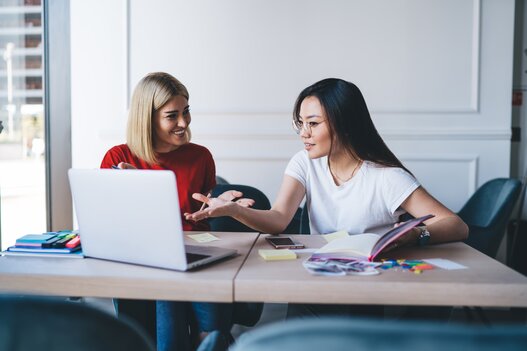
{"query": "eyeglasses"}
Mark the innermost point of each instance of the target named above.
(298, 126)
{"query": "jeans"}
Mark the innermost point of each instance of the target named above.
(180, 323)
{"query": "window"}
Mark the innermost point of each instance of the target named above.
(35, 145)
(22, 145)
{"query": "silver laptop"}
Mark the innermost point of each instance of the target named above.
(133, 216)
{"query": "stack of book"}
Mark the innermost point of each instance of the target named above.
(57, 244)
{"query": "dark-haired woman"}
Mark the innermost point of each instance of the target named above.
(351, 179)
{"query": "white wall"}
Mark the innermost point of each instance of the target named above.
(436, 75)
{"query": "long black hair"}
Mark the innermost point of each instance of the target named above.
(349, 120)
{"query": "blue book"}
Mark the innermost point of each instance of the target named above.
(43, 250)
(35, 240)
(31, 238)
(75, 252)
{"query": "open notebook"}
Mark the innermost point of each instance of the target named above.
(133, 216)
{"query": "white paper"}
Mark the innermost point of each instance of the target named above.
(444, 263)
(299, 251)
(203, 237)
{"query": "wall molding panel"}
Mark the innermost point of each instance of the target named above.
(436, 76)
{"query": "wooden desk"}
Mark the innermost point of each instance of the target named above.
(486, 282)
(99, 278)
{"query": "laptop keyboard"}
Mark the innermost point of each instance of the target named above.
(192, 257)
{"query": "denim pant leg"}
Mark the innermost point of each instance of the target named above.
(173, 326)
(213, 316)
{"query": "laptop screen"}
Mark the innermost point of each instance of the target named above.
(129, 215)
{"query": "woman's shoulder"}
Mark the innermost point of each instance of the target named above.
(386, 172)
(116, 154)
(303, 156)
(301, 159)
(387, 175)
(197, 149)
(119, 149)
(300, 155)
(194, 152)
(377, 167)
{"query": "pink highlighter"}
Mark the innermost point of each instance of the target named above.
(73, 242)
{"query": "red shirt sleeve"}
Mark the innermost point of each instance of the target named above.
(111, 158)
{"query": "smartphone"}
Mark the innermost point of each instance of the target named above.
(283, 242)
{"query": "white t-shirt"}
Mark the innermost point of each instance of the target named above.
(367, 203)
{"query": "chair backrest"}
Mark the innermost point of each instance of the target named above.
(32, 323)
(339, 334)
(304, 221)
(221, 180)
(488, 211)
(300, 222)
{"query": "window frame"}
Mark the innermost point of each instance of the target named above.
(57, 113)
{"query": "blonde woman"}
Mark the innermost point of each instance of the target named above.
(158, 138)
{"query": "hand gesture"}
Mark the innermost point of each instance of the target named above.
(124, 165)
(224, 205)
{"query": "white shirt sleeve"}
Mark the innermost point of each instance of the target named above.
(297, 167)
(398, 185)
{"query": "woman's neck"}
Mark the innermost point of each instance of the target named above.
(343, 166)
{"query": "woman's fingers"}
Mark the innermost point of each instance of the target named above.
(245, 202)
(230, 195)
(217, 206)
(196, 216)
(124, 165)
(201, 197)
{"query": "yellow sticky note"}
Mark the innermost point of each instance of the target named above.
(277, 255)
(203, 237)
(332, 236)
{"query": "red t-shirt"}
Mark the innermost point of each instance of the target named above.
(194, 168)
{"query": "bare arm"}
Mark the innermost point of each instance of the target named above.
(272, 221)
(445, 226)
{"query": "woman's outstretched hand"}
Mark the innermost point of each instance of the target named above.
(124, 165)
(223, 205)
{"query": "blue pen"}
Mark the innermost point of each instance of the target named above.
(115, 167)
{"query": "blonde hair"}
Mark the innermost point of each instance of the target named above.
(151, 93)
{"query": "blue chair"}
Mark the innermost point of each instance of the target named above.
(304, 221)
(487, 213)
(247, 314)
(221, 180)
(300, 222)
(229, 224)
(37, 323)
(343, 334)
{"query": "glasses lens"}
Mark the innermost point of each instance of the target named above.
(297, 126)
